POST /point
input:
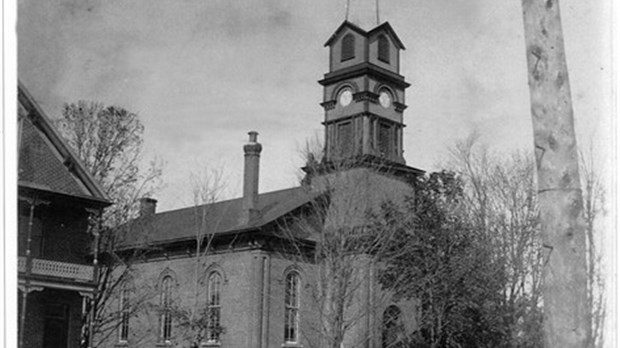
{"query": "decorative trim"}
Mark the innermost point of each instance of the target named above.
(400, 107)
(362, 114)
(339, 87)
(328, 105)
(293, 268)
(365, 95)
(70, 272)
(364, 68)
(86, 294)
(165, 273)
(33, 200)
(53, 285)
(31, 288)
(213, 267)
(390, 90)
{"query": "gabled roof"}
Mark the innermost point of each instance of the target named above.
(390, 31)
(345, 24)
(221, 218)
(46, 163)
(383, 27)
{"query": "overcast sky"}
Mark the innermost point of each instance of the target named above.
(201, 73)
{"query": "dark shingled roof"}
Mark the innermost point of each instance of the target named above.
(40, 166)
(46, 162)
(222, 217)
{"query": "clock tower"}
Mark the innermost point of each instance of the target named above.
(364, 96)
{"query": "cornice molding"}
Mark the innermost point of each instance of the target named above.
(400, 107)
(366, 95)
(362, 114)
(329, 105)
(364, 68)
(366, 161)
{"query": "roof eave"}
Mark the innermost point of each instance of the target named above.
(44, 122)
(340, 28)
(391, 31)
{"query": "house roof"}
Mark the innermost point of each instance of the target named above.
(383, 27)
(46, 163)
(221, 218)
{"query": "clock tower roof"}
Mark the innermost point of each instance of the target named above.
(385, 27)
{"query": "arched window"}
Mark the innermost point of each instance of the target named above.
(346, 138)
(214, 307)
(348, 47)
(291, 308)
(391, 327)
(385, 138)
(383, 49)
(166, 307)
(124, 310)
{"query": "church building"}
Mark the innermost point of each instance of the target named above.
(245, 273)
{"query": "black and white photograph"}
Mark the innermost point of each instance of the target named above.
(310, 174)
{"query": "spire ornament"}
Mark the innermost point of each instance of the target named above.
(363, 13)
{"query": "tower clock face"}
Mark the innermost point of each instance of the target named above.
(346, 96)
(385, 99)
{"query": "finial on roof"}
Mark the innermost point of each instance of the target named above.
(363, 13)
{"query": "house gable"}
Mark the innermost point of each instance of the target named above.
(45, 161)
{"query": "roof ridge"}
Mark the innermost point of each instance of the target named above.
(231, 200)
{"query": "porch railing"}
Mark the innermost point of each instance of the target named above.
(58, 269)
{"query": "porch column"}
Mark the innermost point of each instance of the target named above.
(95, 221)
(33, 201)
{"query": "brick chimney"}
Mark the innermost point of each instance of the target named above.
(147, 206)
(249, 201)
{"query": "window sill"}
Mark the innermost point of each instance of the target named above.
(121, 344)
(163, 344)
(292, 345)
(210, 344)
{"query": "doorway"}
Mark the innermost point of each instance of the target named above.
(56, 326)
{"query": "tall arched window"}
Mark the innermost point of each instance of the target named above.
(291, 308)
(166, 307)
(348, 47)
(123, 310)
(391, 327)
(214, 307)
(383, 49)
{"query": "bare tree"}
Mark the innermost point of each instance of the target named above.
(593, 204)
(108, 140)
(196, 318)
(336, 235)
(501, 204)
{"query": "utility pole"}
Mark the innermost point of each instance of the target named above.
(559, 191)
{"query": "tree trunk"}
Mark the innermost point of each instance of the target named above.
(561, 214)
